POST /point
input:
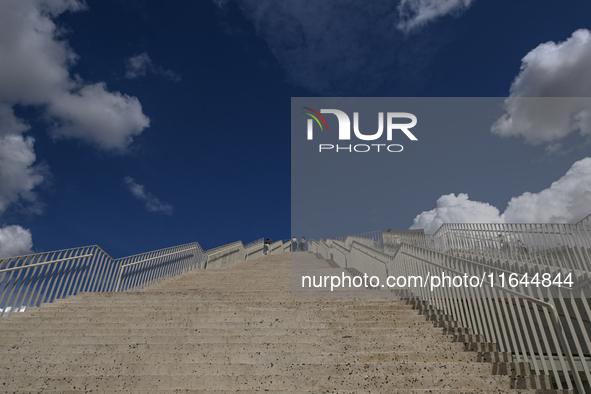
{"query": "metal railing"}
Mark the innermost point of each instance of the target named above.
(29, 281)
(546, 325)
(139, 271)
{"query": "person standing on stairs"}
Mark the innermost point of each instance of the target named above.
(267, 246)
(303, 244)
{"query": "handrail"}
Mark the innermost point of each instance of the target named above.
(144, 261)
(44, 263)
(38, 278)
(554, 313)
(557, 324)
(153, 258)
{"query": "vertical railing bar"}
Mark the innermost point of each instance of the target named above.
(19, 276)
(574, 336)
(127, 272)
(581, 229)
(160, 268)
(92, 273)
(487, 315)
(63, 281)
(70, 273)
(23, 289)
(108, 273)
(84, 273)
(164, 267)
(48, 296)
(584, 302)
(572, 250)
(44, 281)
(6, 281)
(131, 272)
(535, 337)
(115, 268)
(517, 344)
(169, 265)
(528, 348)
(553, 243)
(139, 271)
(581, 254)
(503, 339)
(31, 288)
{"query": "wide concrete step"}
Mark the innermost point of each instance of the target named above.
(184, 317)
(269, 368)
(241, 329)
(257, 382)
(219, 306)
(158, 305)
(171, 346)
(66, 356)
(251, 316)
(378, 340)
(387, 391)
(55, 324)
(400, 333)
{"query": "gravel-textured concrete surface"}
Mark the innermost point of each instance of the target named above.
(248, 328)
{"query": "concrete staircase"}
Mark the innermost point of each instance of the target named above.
(240, 329)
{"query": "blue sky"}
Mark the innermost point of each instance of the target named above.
(138, 125)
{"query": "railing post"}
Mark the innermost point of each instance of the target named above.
(118, 279)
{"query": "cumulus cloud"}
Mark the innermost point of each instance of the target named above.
(34, 70)
(138, 66)
(94, 115)
(9, 123)
(416, 13)
(336, 47)
(15, 241)
(551, 96)
(35, 62)
(18, 175)
(456, 209)
(152, 203)
(567, 200)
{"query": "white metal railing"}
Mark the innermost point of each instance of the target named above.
(42, 277)
(29, 281)
(139, 271)
(546, 325)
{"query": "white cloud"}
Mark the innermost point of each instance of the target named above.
(94, 115)
(34, 70)
(139, 65)
(567, 200)
(152, 203)
(9, 123)
(18, 176)
(416, 13)
(456, 209)
(551, 96)
(15, 241)
(35, 63)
